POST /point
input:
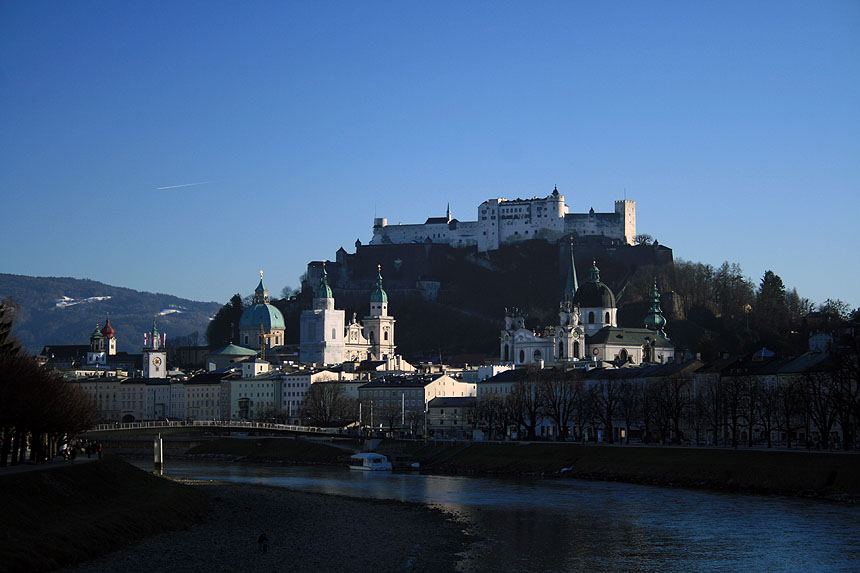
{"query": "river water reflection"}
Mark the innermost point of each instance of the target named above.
(571, 525)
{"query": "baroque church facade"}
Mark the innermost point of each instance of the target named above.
(326, 338)
(587, 330)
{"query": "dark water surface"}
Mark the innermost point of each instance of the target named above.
(571, 525)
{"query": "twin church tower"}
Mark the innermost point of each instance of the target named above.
(325, 337)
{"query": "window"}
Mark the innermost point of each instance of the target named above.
(606, 318)
(591, 318)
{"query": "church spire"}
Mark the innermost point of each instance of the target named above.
(323, 290)
(448, 212)
(572, 285)
(378, 298)
(655, 320)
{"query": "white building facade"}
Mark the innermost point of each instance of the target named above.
(502, 221)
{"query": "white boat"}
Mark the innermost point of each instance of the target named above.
(369, 462)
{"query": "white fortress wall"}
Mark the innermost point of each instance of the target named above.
(503, 221)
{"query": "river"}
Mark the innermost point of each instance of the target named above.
(573, 525)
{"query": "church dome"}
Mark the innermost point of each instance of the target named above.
(108, 330)
(261, 312)
(593, 293)
(323, 290)
(265, 314)
(96, 333)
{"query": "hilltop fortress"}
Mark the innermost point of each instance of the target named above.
(503, 221)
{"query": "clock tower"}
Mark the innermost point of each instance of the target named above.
(154, 354)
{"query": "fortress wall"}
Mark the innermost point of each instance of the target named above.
(605, 224)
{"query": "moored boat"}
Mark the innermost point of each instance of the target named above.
(369, 461)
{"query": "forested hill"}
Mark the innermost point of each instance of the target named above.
(66, 311)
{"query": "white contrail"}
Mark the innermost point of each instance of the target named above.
(183, 185)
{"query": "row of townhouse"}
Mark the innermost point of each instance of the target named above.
(258, 393)
(253, 394)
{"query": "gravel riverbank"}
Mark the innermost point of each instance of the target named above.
(306, 532)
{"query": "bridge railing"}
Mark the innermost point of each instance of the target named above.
(228, 424)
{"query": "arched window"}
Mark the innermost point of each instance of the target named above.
(507, 353)
(371, 337)
(385, 335)
(623, 355)
(522, 356)
(606, 318)
(591, 317)
(537, 355)
(561, 349)
(576, 350)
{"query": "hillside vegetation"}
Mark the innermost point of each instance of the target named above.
(57, 311)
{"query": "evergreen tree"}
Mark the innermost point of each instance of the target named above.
(224, 328)
(771, 311)
(8, 343)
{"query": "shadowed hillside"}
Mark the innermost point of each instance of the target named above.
(66, 310)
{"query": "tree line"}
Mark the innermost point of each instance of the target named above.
(38, 409)
(733, 408)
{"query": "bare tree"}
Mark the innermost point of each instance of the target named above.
(561, 391)
(607, 394)
(821, 403)
(327, 405)
(525, 406)
(630, 404)
(789, 414)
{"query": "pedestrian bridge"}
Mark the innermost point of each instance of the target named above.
(231, 425)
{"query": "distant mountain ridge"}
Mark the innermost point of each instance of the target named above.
(62, 310)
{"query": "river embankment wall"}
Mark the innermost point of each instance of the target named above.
(827, 475)
(798, 473)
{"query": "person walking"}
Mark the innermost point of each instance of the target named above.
(99, 449)
(263, 543)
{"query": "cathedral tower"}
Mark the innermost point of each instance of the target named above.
(378, 326)
(322, 328)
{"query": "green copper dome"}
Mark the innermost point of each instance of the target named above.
(265, 314)
(323, 290)
(378, 295)
(97, 333)
(261, 312)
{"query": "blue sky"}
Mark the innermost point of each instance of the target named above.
(735, 126)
